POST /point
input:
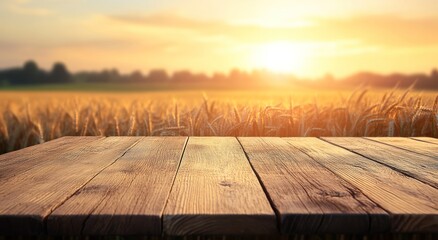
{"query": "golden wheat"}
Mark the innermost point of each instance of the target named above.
(30, 118)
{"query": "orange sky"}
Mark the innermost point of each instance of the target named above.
(308, 38)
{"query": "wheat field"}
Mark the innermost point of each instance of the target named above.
(29, 118)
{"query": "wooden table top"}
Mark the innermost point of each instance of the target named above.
(175, 186)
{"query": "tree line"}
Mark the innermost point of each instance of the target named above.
(30, 73)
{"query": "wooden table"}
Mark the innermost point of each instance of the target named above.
(220, 186)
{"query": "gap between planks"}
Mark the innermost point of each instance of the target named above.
(409, 144)
(128, 197)
(308, 197)
(426, 139)
(217, 192)
(51, 183)
(410, 202)
(423, 168)
(178, 229)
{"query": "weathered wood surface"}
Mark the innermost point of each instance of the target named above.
(412, 204)
(308, 197)
(220, 186)
(27, 199)
(128, 197)
(427, 139)
(18, 162)
(412, 145)
(216, 192)
(421, 167)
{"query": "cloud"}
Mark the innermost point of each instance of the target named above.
(30, 11)
(218, 29)
(23, 7)
(391, 31)
(382, 30)
(172, 41)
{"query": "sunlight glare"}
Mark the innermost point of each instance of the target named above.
(280, 57)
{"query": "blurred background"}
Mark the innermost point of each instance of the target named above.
(224, 68)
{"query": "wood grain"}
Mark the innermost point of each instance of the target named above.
(18, 162)
(417, 147)
(27, 199)
(216, 192)
(128, 197)
(308, 197)
(421, 167)
(412, 204)
(120, 185)
(426, 139)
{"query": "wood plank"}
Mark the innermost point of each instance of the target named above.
(128, 197)
(18, 162)
(423, 168)
(412, 204)
(217, 192)
(27, 199)
(307, 196)
(49, 146)
(418, 147)
(426, 139)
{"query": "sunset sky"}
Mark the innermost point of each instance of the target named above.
(308, 38)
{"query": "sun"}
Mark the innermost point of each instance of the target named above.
(280, 57)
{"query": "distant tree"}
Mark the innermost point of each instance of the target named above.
(82, 76)
(32, 74)
(59, 74)
(237, 77)
(114, 75)
(182, 76)
(432, 80)
(434, 75)
(12, 76)
(200, 77)
(136, 76)
(108, 76)
(219, 78)
(158, 75)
